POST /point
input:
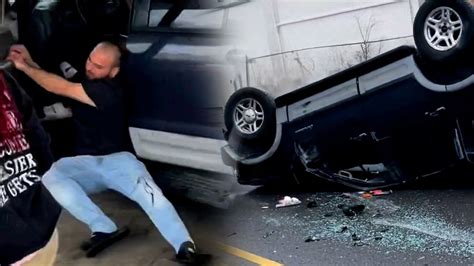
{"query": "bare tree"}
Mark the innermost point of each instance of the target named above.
(368, 49)
(302, 66)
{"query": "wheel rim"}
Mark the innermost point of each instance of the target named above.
(443, 28)
(248, 116)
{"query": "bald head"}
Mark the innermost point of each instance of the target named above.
(110, 50)
(103, 61)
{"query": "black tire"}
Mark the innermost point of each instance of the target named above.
(259, 140)
(465, 37)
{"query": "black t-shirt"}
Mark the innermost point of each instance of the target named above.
(102, 129)
(28, 212)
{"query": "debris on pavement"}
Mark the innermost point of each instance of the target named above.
(268, 234)
(288, 201)
(347, 195)
(355, 237)
(367, 194)
(377, 215)
(380, 222)
(380, 192)
(265, 207)
(232, 234)
(359, 243)
(312, 204)
(357, 240)
(343, 229)
(312, 239)
(352, 210)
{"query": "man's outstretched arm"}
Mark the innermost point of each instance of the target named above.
(50, 82)
(58, 85)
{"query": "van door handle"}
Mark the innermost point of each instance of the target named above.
(372, 136)
(436, 113)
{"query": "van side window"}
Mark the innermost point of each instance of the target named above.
(185, 14)
(181, 14)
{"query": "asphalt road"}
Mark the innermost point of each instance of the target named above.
(405, 228)
(427, 223)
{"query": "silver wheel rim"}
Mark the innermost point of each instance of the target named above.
(248, 116)
(443, 28)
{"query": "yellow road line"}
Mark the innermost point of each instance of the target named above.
(247, 255)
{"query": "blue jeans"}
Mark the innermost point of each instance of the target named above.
(71, 179)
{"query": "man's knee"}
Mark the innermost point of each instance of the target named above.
(60, 193)
(63, 163)
(57, 171)
(131, 161)
(51, 176)
(53, 180)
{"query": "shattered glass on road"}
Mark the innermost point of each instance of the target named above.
(382, 224)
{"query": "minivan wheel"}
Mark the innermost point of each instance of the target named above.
(248, 116)
(443, 30)
(250, 120)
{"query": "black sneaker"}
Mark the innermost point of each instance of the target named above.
(100, 241)
(188, 255)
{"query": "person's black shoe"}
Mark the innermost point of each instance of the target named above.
(100, 241)
(188, 255)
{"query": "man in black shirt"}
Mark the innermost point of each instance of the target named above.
(102, 160)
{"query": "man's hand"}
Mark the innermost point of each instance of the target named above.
(18, 61)
(22, 51)
(20, 57)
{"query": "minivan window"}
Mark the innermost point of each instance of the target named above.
(189, 19)
(177, 15)
(186, 14)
